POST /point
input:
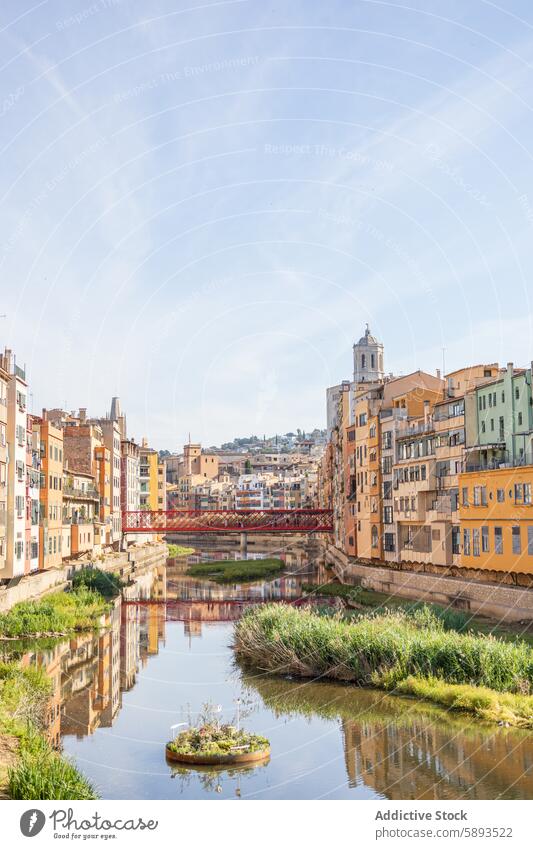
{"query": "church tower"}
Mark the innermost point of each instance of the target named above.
(368, 359)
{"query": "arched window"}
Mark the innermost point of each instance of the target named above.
(363, 361)
(374, 536)
(372, 361)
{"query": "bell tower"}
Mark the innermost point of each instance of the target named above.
(368, 359)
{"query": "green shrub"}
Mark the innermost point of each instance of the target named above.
(108, 584)
(237, 571)
(58, 613)
(179, 551)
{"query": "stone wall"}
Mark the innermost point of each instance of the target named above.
(135, 563)
(497, 601)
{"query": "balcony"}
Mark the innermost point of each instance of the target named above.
(503, 461)
(407, 429)
(88, 494)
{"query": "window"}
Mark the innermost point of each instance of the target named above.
(477, 496)
(387, 465)
(387, 515)
(517, 393)
(465, 496)
(492, 424)
(482, 427)
(374, 536)
(500, 495)
(456, 539)
(517, 548)
(466, 541)
(480, 402)
(527, 493)
(530, 539)
(422, 473)
(485, 539)
(503, 396)
(498, 541)
(502, 428)
(518, 492)
(475, 542)
(389, 542)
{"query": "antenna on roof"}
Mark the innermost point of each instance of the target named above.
(443, 361)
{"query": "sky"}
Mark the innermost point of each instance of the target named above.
(203, 203)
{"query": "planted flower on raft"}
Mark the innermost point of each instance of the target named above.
(214, 742)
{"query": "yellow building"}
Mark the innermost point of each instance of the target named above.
(51, 494)
(148, 477)
(496, 515)
(162, 485)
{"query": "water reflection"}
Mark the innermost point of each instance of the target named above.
(117, 691)
(405, 749)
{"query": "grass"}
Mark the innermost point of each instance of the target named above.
(237, 571)
(333, 589)
(107, 584)
(24, 694)
(486, 704)
(39, 772)
(59, 613)
(42, 773)
(407, 652)
(456, 620)
(179, 550)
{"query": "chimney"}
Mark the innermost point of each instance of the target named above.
(83, 414)
(438, 373)
(510, 368)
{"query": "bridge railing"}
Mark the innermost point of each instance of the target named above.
(305, 520)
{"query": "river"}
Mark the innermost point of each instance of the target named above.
(117, 693)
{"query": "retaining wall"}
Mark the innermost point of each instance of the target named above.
(497, 601)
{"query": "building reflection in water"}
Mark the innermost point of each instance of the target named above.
(410, 750)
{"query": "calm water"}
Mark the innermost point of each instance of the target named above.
(116, 695)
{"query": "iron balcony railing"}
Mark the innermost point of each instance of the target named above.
(504, 461)
(89, 494)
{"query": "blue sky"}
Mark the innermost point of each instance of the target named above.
(202, 206)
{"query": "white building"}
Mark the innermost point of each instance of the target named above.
(17, 393)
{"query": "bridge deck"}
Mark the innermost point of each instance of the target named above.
(225, 521)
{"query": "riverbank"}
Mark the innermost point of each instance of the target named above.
(408, 654)
(29, 767)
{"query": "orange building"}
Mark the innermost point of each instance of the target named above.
(496, 515)
(51, 493)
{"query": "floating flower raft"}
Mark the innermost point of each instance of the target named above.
(217, 745)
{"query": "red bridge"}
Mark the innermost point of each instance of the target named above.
(305, 521)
